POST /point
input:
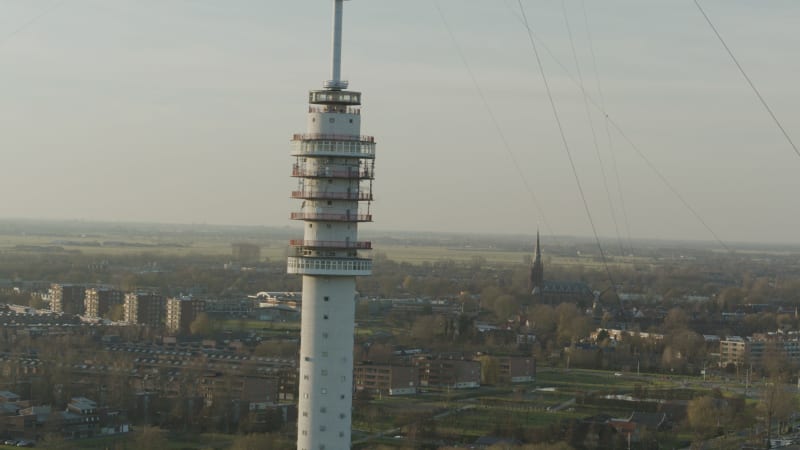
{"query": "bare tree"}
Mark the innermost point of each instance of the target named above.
(776, 404)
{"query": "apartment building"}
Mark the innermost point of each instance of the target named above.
(756, 349)
(144, 308)
(67, 298)
(181, 312)
(99, 301)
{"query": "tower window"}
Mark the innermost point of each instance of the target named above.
(324, 335)
(330, 203)
(325, 317)
(341, 434)
(351, 120)
(324, 371)
(323, 410)
(326, 298)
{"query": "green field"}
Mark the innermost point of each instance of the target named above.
(175, 240)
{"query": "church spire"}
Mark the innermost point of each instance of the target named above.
(537, 269)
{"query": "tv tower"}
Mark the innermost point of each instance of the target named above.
(334, 168)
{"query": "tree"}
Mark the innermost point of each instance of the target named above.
(425, 328)
(410, 284)
(54, 441)
(703, 415)
(676, 319)
(504, 306)
(201, 325)
(543, 319)
(572, 323)
(776, 363)
(776, 404)
(116, 313)
(683, 347)
(490, 370)
(150, 438)
(730, 297)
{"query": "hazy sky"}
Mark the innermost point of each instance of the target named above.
(181, 111)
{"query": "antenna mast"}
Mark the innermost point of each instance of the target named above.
(336, 82)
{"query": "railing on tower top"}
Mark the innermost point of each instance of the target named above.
(334, 137)
(363, 245)
(365, 196)
(333, 109)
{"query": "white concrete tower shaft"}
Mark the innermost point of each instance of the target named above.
(334, 171)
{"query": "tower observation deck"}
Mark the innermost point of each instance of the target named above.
(334, 169)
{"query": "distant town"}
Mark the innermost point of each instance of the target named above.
(496, 343)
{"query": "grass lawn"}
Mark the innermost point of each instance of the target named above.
(176, 441)
(259, 325)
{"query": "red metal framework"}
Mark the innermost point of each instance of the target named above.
(317, 195)
(362, 173)
(331, 217)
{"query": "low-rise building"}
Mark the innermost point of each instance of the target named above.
(516, 369)
(253, 392)
(507, 369)
(453, 373)
(230, 306)
(755, 350)
(386, 379)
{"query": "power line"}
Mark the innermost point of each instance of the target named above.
(668, 184)
(564, 141)
(618, 128)
(607, 128)
(47, 9)
(591, 125)
(493, 118)
(747, 78)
